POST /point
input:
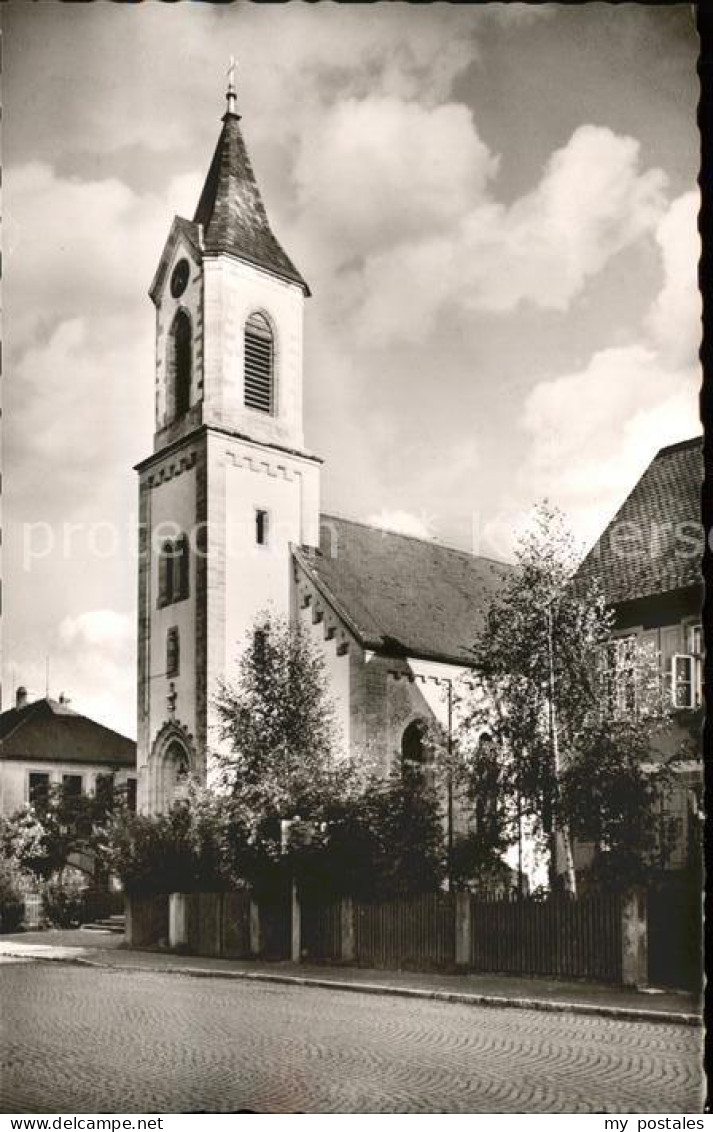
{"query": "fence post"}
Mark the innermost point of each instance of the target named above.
(346, 911)
(463, 929)
(177, 926)
(296, 944)
(128, 920)
(634, 957)
(254, 928)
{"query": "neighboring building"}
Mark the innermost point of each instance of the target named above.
(229, 512)
(649, 562)
(45, 743)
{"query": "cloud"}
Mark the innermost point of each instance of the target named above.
(94, 662)
(592, 433)
(592, 202)
(412, 188)
(675, 317)
(67, 251)
(99, 628)
(378, 172)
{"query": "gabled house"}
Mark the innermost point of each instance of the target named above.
(46, 743)
(649, 563)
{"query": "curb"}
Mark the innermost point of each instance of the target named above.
(460, 998)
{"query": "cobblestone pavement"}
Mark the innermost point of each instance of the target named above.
(100, 1040)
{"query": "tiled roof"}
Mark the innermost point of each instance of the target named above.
(402, 595)
(232, 212)
(48, 731)
(654, 543)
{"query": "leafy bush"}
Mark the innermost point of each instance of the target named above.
(62, 899)
(175, 852)
(12, 904)
(384, 841)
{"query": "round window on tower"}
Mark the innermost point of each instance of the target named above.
(179, 278)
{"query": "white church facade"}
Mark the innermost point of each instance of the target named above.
(230, 519)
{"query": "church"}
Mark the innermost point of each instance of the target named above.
(229, 513)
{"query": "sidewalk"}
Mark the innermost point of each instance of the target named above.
(470, 989)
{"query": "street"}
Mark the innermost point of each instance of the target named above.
(86, 1040)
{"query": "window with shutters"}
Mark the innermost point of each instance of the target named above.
(173, 571)
(687, 670)
(259, 364)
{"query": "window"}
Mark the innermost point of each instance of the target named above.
(415, 755)
(173, 654)
(687, 671)
(179, 365)
(621, 676)
(104, 790)
(259, 643)
(259, 362)
(131, 794)
(39, 787)
(71, 785)
(173, 571)
(488, 785)
(261, 527)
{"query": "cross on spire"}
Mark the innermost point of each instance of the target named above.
(231, 95)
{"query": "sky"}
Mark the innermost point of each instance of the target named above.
(494, 206)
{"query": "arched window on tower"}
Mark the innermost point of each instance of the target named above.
(173, 571)
(179, 364)
(259, 364)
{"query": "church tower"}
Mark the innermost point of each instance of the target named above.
(229, 487)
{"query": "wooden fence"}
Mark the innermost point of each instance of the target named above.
(211, 923)
(321, 930)
(562, 936)
(416, 931)
(146, 920)
(596, 936)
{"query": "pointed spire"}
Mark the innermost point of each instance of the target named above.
(231, 96)
(231, 209)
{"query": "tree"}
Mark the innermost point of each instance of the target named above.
(279, 757)
(383, 839)
(569, 716)
(183, 850)
(478, 854)
(55, 831)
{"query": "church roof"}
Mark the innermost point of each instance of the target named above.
(231, 210)
(402, 595)
(49, 731)
(649, 547)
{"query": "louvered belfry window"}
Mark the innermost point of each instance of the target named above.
(259, 364)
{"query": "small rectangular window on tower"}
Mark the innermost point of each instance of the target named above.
(261, 527)
(173, 651)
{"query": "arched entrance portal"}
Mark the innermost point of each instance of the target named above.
(172, 764)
